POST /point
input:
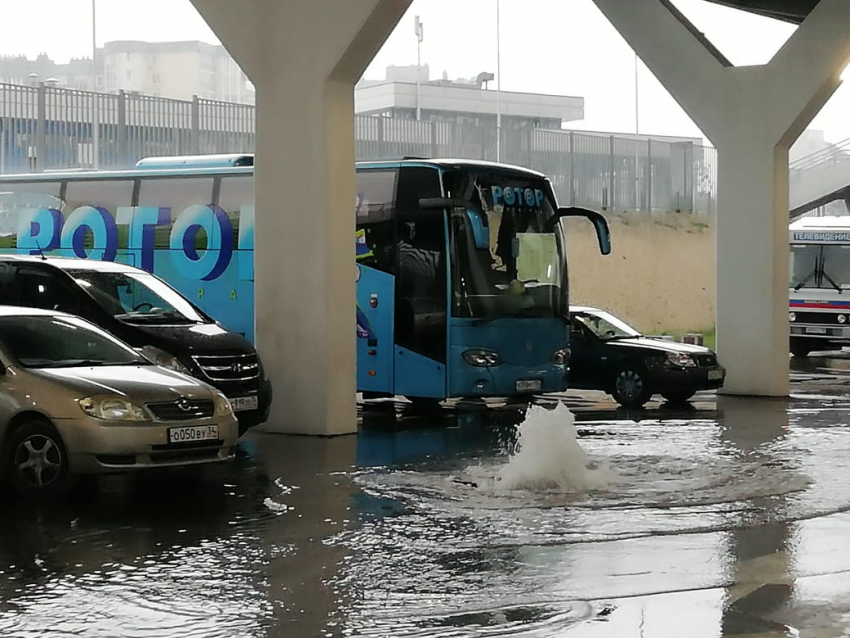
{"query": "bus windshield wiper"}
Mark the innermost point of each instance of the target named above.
(829, 279)
(807, 278)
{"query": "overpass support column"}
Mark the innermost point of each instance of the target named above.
(304, 57)
(752, 115)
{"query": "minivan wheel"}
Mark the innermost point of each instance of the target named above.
(630, 389)
(36, 464)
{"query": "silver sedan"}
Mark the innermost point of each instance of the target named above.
(75, 400)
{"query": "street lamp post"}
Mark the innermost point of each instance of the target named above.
(498, 82)
(637, 101)
(420, 34)
(95, 115)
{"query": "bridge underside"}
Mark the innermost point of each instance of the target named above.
(787, 10)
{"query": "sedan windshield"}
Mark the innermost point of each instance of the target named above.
(137, 297)
(605, 325)
(62, 342)
(508, 263)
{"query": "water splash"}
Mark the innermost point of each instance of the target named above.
(547, 456)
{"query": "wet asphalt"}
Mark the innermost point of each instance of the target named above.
(727, 518)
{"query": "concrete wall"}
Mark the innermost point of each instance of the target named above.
(660, 274)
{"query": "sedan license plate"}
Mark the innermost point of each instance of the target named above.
(193, 433)
(714, 375)
(528, 386)
(241, 404)
(815, 331)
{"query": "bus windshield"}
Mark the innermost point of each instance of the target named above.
(820, 266)
(506, 262)
(136, 297)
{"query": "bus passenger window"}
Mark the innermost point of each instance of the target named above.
(374, 214)
(236, 191)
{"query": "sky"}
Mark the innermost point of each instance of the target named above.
(563, 47)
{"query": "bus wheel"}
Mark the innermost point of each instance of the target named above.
(424, 404)
(800, 348)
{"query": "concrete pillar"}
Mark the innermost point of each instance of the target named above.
(304, 57)
(752, 115)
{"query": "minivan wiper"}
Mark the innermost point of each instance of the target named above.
(158, 318)
(89, 363)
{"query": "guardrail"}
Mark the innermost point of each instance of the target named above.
(47, 128)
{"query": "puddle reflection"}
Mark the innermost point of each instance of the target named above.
(727, 515)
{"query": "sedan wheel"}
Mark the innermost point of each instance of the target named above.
(36, 463)
(678, 396)
(630, 390)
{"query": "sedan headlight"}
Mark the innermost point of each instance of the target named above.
(112, 408)
(681, 359)
(482, 358)
(164, 360)
(222, 405)
(561, 357)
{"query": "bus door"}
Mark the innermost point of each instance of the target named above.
(375, 238)
(421, 287)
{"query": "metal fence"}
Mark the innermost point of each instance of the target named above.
(44, 128)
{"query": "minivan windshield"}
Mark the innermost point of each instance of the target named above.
(63, 342)
(137, 297)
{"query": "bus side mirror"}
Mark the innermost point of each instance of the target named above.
(603, 233)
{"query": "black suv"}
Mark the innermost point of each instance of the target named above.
(145, 312)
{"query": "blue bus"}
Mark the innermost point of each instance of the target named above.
(462, 282)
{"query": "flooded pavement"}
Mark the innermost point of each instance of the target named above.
(730, 518)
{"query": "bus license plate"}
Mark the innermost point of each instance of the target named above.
(816, 331)
(241, 404)
(528, 386)
(714, 375)
(193, 433)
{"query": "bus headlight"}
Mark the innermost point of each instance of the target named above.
(480, 358)
(842, 319)
(792, 316)
(561, 357)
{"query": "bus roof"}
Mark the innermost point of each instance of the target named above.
(197, 161)
(820, 223)
(820, 230)
(198, 165)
